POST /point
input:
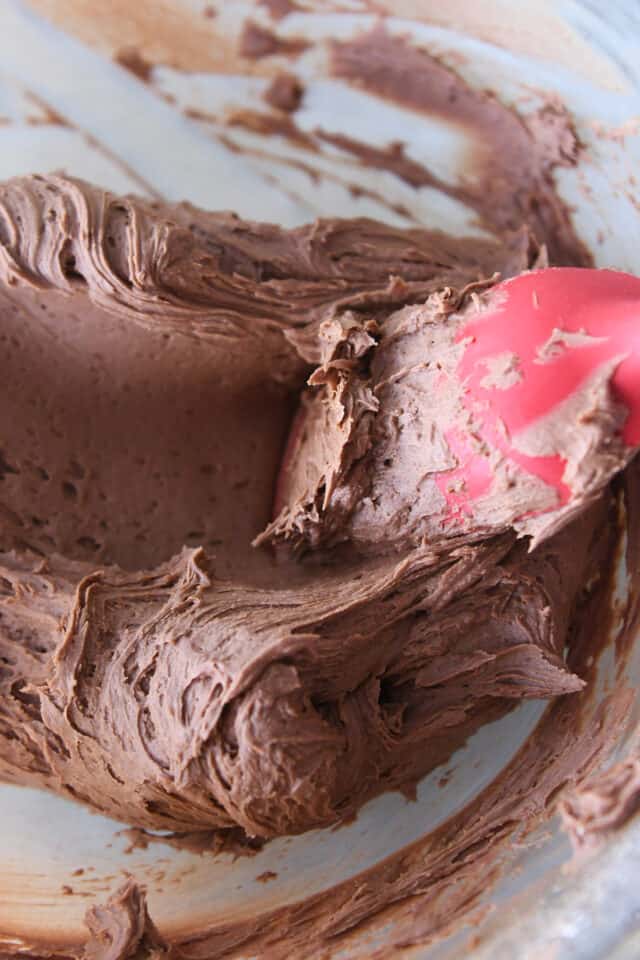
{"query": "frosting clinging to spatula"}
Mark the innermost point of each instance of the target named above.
(506, 405)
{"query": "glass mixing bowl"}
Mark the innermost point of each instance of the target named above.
(168, 130)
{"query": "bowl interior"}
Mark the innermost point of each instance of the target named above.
(174, 133)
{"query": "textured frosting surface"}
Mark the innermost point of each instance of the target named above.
(152, 662)
(217, 685)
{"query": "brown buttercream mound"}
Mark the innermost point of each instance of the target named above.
(152, 663)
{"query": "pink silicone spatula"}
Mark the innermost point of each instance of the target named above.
(543, 379)
(560, 326)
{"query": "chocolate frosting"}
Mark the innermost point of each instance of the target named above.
(370, 443)
(182, 313)
(154, 356)
(510, 181)
(285, 92)
(155, 665)
(602, 804)
(123, 928)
